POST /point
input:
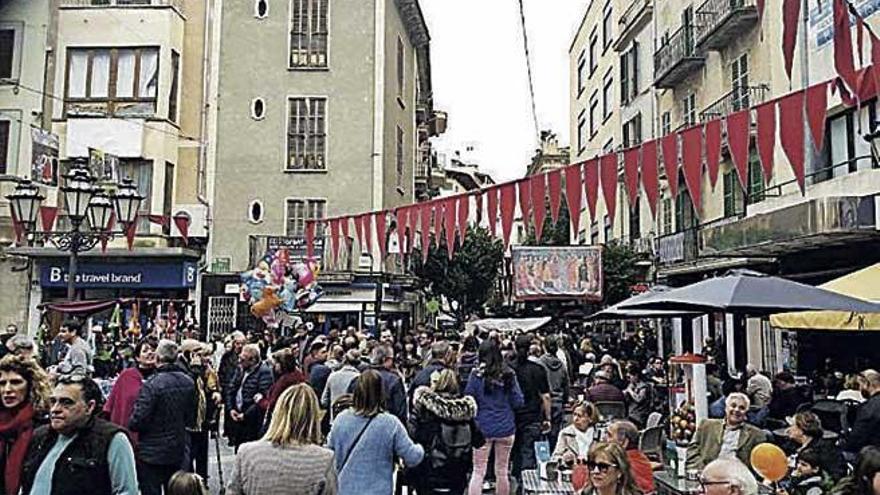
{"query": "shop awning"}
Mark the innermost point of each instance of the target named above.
(510, 324)
(863, 284)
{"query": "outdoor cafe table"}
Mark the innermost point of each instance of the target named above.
(826, 434)
(667, 483)
(532, 483)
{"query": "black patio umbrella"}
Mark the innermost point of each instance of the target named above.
(752, 293)
(617, 312)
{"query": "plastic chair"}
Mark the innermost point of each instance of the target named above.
(611, 410)
(651, 442)
(653, 420)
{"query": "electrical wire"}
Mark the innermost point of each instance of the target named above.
(522, 17)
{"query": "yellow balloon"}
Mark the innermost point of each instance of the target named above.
(769, 461)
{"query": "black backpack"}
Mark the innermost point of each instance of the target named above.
(451, 449)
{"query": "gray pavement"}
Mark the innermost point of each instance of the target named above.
(227, 457)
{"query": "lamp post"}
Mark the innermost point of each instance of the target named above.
(90, 211)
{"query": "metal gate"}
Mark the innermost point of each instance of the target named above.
(222, 315)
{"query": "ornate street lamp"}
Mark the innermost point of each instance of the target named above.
(78, 192)
(25, 203)
(100, 211)
(127, 202)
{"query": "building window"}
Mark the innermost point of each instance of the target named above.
(10, 46)
(300, 210)
(141, 172)
(632, 131)
(689, 109)
(594, 233)
(308, 34)
(732, 194)
(606, 26)
(121, 82)
(594, 54)
(255, 212)
(258, 109)
(609, 146)
(306, 134)
(684, 211)
(175, 82)
(608, 233)
(261, 9)
(5, 126)
(399, 157)
(582, 133)
(401, 67)
(607, 95)
(629, 74)
(665, 123)
(594, 105)
(756, 178)
(666, 222)
(739, 78)
(581, 73)
(635, 221)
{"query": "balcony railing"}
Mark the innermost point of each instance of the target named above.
(721, 21)
(677, 58)
(177, 4)
(737, 99)
(678, 247)
(633, 19)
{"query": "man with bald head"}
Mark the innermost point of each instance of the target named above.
(866, 428)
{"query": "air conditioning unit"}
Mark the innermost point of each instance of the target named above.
(198, 220)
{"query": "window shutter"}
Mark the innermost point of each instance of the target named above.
(635, 69)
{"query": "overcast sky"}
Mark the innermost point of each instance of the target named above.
(479, 76)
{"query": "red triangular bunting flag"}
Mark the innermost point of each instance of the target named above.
(334, 239)
(401, 218)
(492, 209)
(608, 165)
(367, 222)
(464, 212)
(669, 144)
(380, 222)
(524, 193)
(554, 185)
(112, 223)
(47, 216)
(631, 173)
(182, 224)
(411, 224)
(130, 231)
(692, 164)
(425, 226)
(817, 104)
(650, 180)
(310, 239)
(791, 10)
(17, 228)
(507, 204)
(538, 191)
(591, 186)
(449, 224)
(713, 149)
(158, 220)
(860, 39)
(437, 216)
(875, 62)
(573, 186)
(343, 229)
(791, 137)
(359, 231)
(766, 136)
(103, 240)
(760, 4)
(738, 138)
(843, 49)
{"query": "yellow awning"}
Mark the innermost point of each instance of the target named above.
(863, 284)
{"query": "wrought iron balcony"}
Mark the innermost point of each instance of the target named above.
(677, 58)
(632, 21)
(737, 99)
(721, 21)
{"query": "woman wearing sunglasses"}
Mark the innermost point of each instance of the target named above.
(610, 473)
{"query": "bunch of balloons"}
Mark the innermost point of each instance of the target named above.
(277, 286)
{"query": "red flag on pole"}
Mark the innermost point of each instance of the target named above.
(538, 190)
(843, 48)
(464, 211)
(791, 137)
(713, 149)
(791, 10)
(591, 185)
(492, 209)
(554, 184)
(738, 138)
(47, 216)
(608, 165)
(650, 180)
(310, 239)
(182, 223)
(507, 204)
(692, 164)
(524, 193)
(631, 173)
(766, 137)
(573, 186)
(380, 222)
(669, 145)
(817, 104)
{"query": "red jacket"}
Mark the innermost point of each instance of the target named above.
(641, 470)
(283, 382)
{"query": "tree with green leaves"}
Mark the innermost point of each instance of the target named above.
(468, 279)
(620, 271)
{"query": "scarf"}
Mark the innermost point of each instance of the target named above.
(16, 431)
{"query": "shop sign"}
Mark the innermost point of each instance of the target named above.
(122, 275)
(541, 273)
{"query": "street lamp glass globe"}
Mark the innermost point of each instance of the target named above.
(25, 203)
(100, 210)
(78, 193)
(127, 201)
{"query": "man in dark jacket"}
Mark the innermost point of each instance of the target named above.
(866, 428)
(165, 408)
(317, 367)
(440, 352)
(252, 382)
(533, 417)
(77, 452)
(557, 377)
(382, 360)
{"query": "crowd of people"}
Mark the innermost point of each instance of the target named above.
(353, 412)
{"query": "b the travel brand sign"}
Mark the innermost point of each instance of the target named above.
(177, 275)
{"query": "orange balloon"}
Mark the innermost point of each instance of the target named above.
(769, 461)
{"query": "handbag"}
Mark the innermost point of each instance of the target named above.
(354, 445)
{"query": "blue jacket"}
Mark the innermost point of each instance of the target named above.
(393, 391)
(495, 404)
(165, 407)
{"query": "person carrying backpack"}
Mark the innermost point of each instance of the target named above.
(443, 423)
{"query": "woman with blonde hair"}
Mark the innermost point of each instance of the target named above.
(575, 440)
(610, 472)
(24, 394)
(289, 458)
